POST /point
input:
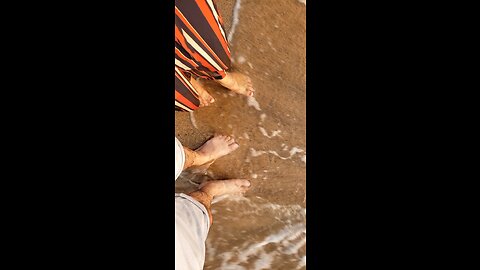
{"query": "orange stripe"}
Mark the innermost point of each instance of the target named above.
(201, 73)
(186, 85)
(183, 42)
(202, 4)
(199, 38)
(180, 37)
(203, 61)
(180, 54)
(185, 101)
(192, 53)
(222, 73)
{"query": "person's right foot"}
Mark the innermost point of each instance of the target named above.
(220, 187)
(216, 147)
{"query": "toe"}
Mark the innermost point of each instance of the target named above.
(234, 146)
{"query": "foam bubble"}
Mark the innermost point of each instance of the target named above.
(274, 133)
(235, 20)
(262, 117)
(255, 153)
(241, 59)
(251, 101)
(192, 119)
(264, 261)
(295, 150)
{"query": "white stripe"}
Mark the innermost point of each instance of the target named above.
(191, 28)
(180, 64)
(186, 80)
(191, 62)
(210, 3)
(200, 50)
(182, 106)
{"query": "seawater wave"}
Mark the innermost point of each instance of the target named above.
(251, 233)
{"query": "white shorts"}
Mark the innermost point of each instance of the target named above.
(191, 229)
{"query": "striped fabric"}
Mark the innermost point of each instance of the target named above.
(201, 48)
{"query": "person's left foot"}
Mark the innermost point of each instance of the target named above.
(216, 147)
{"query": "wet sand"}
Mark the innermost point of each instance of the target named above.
(269, 45)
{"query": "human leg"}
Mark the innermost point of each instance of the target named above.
(201, 46)
(211, 189)
(193, 218)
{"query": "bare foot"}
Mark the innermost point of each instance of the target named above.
(220, 187)
(218, 146)
(203, 95)
(210, 189)
(239, 83)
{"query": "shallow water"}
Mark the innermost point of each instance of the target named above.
(273, 237)
(266, 228)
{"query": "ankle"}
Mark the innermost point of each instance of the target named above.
(207, 192)
(202, 197)
(200, 158)
(227, 81)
